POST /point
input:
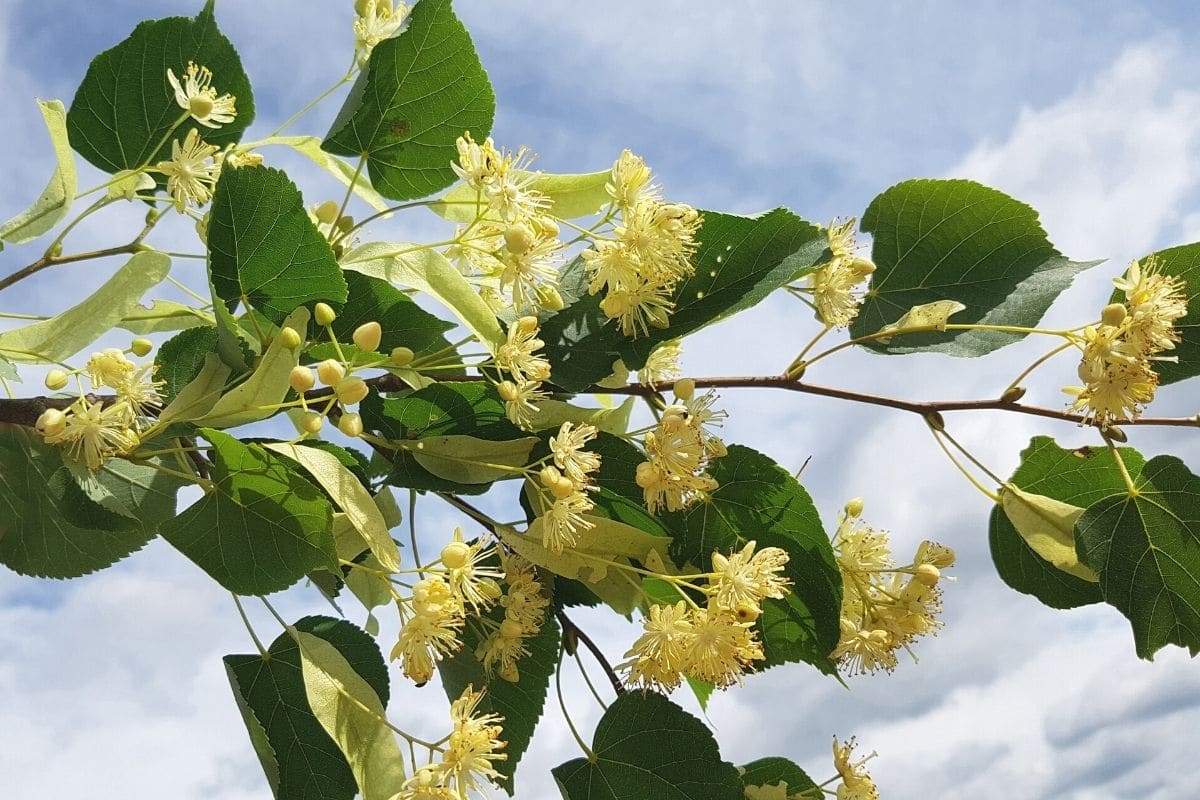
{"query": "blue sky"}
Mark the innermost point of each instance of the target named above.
(1085, 109)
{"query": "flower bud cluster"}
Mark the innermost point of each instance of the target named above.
(567, 483)
(679, 450)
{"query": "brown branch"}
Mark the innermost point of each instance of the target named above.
(570, 628)
(48, 260)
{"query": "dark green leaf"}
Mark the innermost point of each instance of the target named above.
(759, 500)
(263, 246)
(418, 93)
(519, 703)
(404, 323)
(1079, 477)
(1147, 551)
(180, 358)
(772, 770)
(263, 528)
(958, 240)
(50, 528)
(301, 761)
(1183, 262)
(648, 747)
(125, 107)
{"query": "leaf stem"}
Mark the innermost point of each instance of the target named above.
(587, 751)
(262, 651)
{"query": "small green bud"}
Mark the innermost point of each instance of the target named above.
(455, 555)
(324, 314)
(312, 422)
(141, 347)
(401, 356)
(351, 425)
(854, 507)
(290, 338)
(327, 212)
(51, 423)
(527, 324)
(367, 337)
(344, 224)
(56, 379)
(1116, 434)
(1013, 395)
(935, 421)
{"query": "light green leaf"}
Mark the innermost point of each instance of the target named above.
(553, 413)
(1146, 548)
(259, 396)
(417, 94)
(570, 196)
(262, 529)
(465, 459)
(124, 108)
(1048, 527)
(925, 318)
(352, 714)
(645, 746)
(199, 396)
(164, 315)
(56, 198)
(419, 267)
(310, 148)
(127, 183)
(264, 248)
(350, 495)
(58, 338)
(770, 772)
(958, 240)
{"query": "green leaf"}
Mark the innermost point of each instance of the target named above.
(1048, 527)
(56, 198)
(262, 528)
(1183, 262)
(426, 270)
(551, 414)
(310, 148)
(648, 747)
(468, 408)
(264, 248)
(570, 196)
(299, 758)
(773, 770)
(1075, 477)
(41, 508)
(520, 703)
(958, 240)
(259, 396)
(759, 500)
(163, 316)
(404, 323)
(199, 395)
(62, 336)
(465, 459)
(1146, 548)
(180, 359)
(354, 717)
(124, 109)
(417, 94)
(740, 261)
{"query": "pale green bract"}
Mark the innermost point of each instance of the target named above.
(56, 198)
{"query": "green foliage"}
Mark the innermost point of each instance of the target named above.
(1146, 547)
(417, 95)
(124, 108)
(758, 500)
(1184, 262)
(262, 527)
(404, 323)
(51, 528)
(519, 703)
(958, 240)
(772, 770)
(55, 200)
(180, 359)
(263, 248)
(300, 759)
(646, 746)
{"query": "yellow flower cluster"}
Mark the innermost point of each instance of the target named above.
(649, 253)
(856, 783)
(524, 606)
(195, 95)
(884, 607)
(835, 283)
(568, 481)
(374, 21)
(1118, 379)
(468, 764)
(716, 643)
(527, 369)
(91, 431)
(679, 450)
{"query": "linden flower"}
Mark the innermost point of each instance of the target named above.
(191, 172)
(660, 654)
(94, 432)
(473, 747)
(720, 648)
(663, 363)
(424, 640)
(638, 308)
(502, 179)
(746, 577)
(1156, 301)
(856, 783)
(499, 653)
(377, 20)
(631, 182)
(662, 236)
(138, 392)
(517, 355)
(564, 521)
(519, 401)
(196, 96)
(524, 273)
(471, 581)
(835, 282)
(569, 453)
(1118, 393)
(109, 367)
(611, 266)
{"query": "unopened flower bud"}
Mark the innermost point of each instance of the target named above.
(367, 337)
(518, 239)
(509, 673)
(510, 629)
(927, 574)
(351, 390)
(327, 212)
(361, 7)
(344, 224)
(324, 314)
(1012, 394)
(351, 425)
(56, 379)
(527, 325)
(51, 423)
(549, 298)
(685, 389)
(455, 555)
(746, 612)
(935, 420)
(508, 391)
(330, 372)
(301, 379)
(141, 347)
(290, 338)
(549, 476)
(854, 507)
(647, 475)
(401, 356)
(200, 105)
(546, 226)
(1114, 314)
(312, 422)
(1116, 434)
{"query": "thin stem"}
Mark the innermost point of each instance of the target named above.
(587, 751)
(412, 528)
(49, 261)
(982, 467)
(313, 103)
(569, 626)
(1112, 447)
(798, 364)
(388, 211)
(993, 496)
(1028, 370)
(335, 233)
(262, 651)
(588, 680)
